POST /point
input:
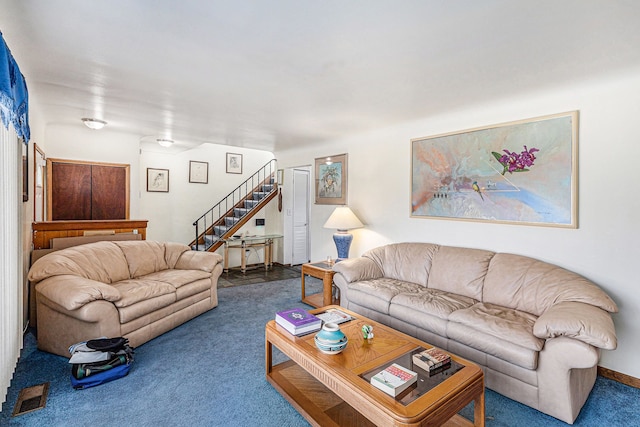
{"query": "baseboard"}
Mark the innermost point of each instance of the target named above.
(619, 377)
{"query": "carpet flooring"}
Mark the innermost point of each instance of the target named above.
(210, 372)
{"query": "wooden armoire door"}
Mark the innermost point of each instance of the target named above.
(108, 192)
(87, 191)
(70, 191)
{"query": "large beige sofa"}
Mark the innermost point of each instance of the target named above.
(535, 328)
(135, 289)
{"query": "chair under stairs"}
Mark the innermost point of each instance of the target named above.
(225, 218)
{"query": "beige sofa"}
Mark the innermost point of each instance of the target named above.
(135, 289)
(535, 328)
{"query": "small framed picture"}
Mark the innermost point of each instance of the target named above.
(234, 163)
(158, 180)
(199, 172)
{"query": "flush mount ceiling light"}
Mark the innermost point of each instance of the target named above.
(94, 124)
(165, 142)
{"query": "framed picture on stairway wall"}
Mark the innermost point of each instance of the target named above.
(331, 180)
(199, 172)
(234, 163)
(158, 180)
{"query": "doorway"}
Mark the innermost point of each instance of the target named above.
(300, 205)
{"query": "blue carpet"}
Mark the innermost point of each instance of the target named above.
(210, 372)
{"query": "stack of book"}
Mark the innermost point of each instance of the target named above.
(432, 360)
(394, 379)
(334, 315)
(298, 321)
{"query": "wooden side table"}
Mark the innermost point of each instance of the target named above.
(319, 270)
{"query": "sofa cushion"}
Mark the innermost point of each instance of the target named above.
(433, 302)
(177, 278)
(185, 282)
(173, 252)
(460, 270)
(377, 294)
(133, 291)
(500, 322)
(407, 262)
(145, 307)
(101, 261)
(144, 257)
(413, 317)
(196, 260)
(534, 286)
(503, 333)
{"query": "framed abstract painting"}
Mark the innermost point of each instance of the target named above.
(522, 172)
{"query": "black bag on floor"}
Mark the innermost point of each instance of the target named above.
(116, 358)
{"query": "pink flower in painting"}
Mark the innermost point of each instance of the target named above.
(514, 162)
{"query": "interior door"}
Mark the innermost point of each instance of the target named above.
(300, 220)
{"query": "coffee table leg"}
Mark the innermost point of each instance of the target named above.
(268, 357)
(478, 410)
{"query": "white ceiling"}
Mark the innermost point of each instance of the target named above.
(277, 74)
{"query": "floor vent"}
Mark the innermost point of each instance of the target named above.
(31, 399)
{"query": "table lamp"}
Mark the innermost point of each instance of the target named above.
(343, 219)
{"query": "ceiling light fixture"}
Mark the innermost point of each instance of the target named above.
(165, 142)
(94, 124)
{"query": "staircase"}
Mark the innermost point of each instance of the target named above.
(236, 209)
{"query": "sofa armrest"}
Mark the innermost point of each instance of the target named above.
(356, 269)
(566, 373)
(583, 322)
(196, 260)
(72, 292)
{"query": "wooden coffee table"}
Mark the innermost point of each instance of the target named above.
(332, 390)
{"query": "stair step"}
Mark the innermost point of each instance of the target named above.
(219, 230)
(230, 221)
(250, 203)
(210, 239)
(268, 188)
(240, 212)
(259, 195)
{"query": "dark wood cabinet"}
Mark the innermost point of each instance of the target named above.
(87, 191)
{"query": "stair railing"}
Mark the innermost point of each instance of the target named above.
(244, 191)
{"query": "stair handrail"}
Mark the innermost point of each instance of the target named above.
(265, 171)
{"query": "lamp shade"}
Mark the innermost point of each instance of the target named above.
(343, 218)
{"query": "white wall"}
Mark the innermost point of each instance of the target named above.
(605, 246)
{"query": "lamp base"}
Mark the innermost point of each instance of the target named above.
(342, 239)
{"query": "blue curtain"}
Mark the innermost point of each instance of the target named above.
(14, 97)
